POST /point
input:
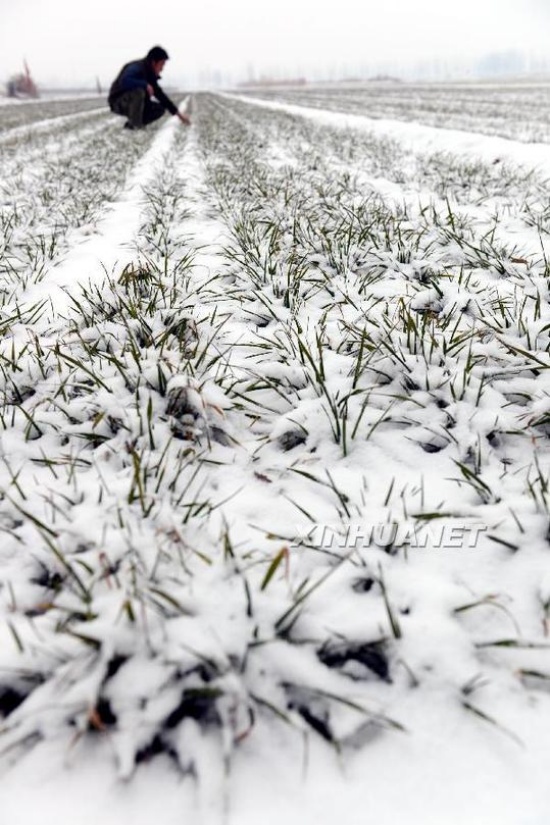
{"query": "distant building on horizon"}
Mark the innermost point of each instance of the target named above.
(273, 81)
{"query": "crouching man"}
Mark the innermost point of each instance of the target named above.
(136, 94)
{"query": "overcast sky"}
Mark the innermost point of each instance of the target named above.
(75, 41)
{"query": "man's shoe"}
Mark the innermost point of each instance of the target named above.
(129, 125)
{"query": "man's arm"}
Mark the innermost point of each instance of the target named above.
(163, 98)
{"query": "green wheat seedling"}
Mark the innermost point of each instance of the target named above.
(344, 351)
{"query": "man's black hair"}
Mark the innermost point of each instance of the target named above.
(157, 53)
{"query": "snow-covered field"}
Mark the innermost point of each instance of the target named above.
(274, 465)
(514, 110)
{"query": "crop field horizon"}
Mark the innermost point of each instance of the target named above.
(274, 457)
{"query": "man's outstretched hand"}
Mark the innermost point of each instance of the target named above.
(184, 119)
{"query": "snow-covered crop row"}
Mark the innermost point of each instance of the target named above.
(57, 177)
(287, 468)
(517, 111)
(26, 114)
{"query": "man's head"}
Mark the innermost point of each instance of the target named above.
(157, 57)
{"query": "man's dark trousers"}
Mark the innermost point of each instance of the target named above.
(137, 107)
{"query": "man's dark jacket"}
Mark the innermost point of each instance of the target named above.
(137, 75)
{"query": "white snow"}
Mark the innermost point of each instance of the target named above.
(279, 325)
